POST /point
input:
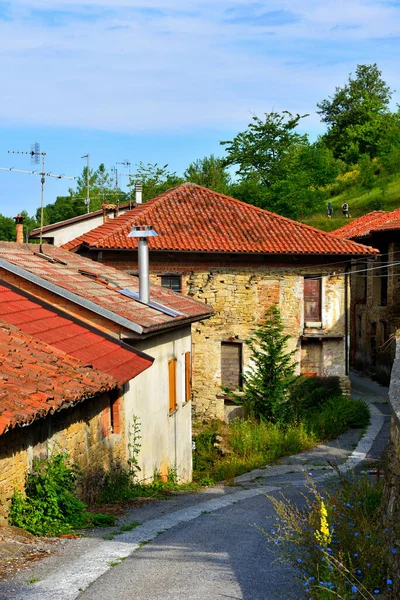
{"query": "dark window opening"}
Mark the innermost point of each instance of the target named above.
(172, 282)
(373, 344)
(312, 300)
(231, 364)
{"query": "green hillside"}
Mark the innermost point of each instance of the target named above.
(360, 203)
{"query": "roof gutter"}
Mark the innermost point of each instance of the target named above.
(59, 291)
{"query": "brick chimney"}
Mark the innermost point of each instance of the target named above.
(106, 209)
(19, 226)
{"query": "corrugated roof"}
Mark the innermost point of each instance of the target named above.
(89, 348)
(192, 218)
(378, 220)
(37, 379)
(101, 288)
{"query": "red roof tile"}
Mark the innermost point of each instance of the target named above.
(68, 277)
(89, 348)
(362, 227)
(37, 379)
(192, 218)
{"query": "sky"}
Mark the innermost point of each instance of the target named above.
(164, 81)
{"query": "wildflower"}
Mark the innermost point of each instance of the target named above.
(299, 560)
(324, 535)
(376, 591)
(355, 554)
(389, 581)
(354, 589)
(394, 550)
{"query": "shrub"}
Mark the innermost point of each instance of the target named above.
(50, 505)
(336, 416)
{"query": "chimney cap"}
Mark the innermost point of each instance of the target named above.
(140, 231)
(19, 218)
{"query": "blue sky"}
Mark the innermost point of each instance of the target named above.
(165, 81)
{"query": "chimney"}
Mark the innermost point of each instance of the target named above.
(106, 208)
(19, 220)
(138, 193)
(143, 234)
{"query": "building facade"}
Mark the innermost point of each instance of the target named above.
(240, 260)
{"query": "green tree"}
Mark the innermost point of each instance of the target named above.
(7, 229)
(263, 146)
(367, 172)
(209, 172)
(155, 179)
(355, 113)
(271, 372)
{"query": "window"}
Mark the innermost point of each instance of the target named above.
(172, 384)
(312, 300)
(172, 282)
(231, 364)
(188, 376)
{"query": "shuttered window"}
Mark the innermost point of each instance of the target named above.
(188, 376)
(312, 300)
(172, 384)
(231, 364)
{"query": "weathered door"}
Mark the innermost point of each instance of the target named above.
(312, 300)
(231, 364)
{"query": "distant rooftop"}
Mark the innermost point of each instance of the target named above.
(363, 227)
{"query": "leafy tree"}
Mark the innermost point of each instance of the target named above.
(29, 224)
(367, 172)
(263, 146)
(271, 374)
(155, 179)
(354, 114)
(209, 172)
(7, 229)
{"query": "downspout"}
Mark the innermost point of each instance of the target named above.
(346, 318)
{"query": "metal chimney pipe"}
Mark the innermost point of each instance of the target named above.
(143, 263)
(143, 234)
(138, 193)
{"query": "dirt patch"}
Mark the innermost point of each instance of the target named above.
(19, 549)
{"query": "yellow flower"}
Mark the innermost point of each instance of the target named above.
(324, 536)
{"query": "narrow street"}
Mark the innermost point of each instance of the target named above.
(202, 545)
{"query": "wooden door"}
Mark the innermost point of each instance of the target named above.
(312, 300)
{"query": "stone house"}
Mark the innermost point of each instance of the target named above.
(52, 396)
(239, 259)
(375, 284)
(104, 301)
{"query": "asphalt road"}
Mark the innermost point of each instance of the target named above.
(219, 555)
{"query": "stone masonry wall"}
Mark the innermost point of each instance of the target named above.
(83, 431)
(240, 289)
(392, 480)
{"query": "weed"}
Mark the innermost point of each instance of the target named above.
(50, 505)
(129, 527)
(109, 536)
(33, 578)
(143, 543)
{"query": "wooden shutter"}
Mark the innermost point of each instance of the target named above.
(172, 384)
(231, 364)
(312, 300)
(188, 376)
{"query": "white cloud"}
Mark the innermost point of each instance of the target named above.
(123, 66)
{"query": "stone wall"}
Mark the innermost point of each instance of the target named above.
(240, 289)
(84, 431)
(392, 481)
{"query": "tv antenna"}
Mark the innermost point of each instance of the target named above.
(36, 157)
(127, 163)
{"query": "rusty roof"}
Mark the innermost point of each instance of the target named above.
(97, 285)
(192, 218)
(93, 350)
(37, 379)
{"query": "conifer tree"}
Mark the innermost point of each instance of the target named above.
(271, 373)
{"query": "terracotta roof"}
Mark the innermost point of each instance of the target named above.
(364, 226)
(99, 292)
(37, 379)
(90, 348)
(192, 218)
(72, 220)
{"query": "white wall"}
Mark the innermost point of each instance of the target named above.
(166, 439)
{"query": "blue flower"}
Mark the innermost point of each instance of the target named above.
(376, 591)
(389, 581)
(299, 560)
(394, 550)
(355, 554)
(353, 589)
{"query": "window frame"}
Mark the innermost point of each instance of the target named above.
(170, 277)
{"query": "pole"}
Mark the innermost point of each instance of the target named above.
(42, 180)
(87, 200)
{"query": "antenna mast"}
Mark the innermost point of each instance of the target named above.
(87, 201)
(35, 155)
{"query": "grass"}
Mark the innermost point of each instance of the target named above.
(337, 542)
(360, 203)
(250, 445)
